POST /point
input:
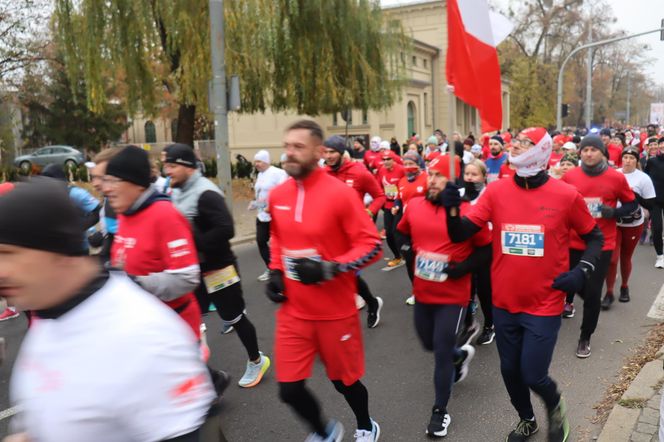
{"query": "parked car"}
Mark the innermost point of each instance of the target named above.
(64, 155)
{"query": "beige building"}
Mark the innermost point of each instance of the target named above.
(423, 107)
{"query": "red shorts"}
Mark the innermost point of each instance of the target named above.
(338, 342)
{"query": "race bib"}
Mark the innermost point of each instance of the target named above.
(391, 191)
(523, 239)
(220, 279)
(431, 266)
(594, 206)
(290, 255)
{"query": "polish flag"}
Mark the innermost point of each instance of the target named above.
(473, 32)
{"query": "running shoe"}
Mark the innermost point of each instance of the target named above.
(468, 334)
(374, 314)
(410, 300)
(583, 349)
(558, 424)
(659, 262)
(394, 264)
(221, 380)
(254, 372)
(607, 301)
(438, 423)
(9, 313)
(487, 336)
(624, 294)
(461, 364)
(212, 307)
(524, 429)
(569, 310)
(368, 436)
(334, 430)
(359, 302)
(226, 329)
(264, 276)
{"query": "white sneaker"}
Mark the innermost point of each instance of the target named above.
(411, 300)
(264, 276)
(359, 302)
(334, 430)
(659, 262)
(254, 372)
(368, 436)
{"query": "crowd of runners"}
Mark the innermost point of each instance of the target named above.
(465, 218)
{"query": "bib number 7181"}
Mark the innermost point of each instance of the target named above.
(522, 239)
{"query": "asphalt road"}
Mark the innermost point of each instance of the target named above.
(399, 372)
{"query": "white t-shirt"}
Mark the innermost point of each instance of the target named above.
(640, 183)
(119, 367)
(266, 181)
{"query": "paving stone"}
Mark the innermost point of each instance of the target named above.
(651, 413)
(646, 419)
(640, 437)
(646, 428)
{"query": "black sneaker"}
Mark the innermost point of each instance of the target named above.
(607, 301)
(221, 380)
(438, 424)
(624, 294)
(461, 364)
(583, 349)
(468, 334)
(558, 424)
(524, 429)
(374, 313)
(486, 337)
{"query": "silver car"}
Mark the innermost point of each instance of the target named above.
(64, 155)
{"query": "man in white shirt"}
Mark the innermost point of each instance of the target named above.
(104, 360)
(268, 178)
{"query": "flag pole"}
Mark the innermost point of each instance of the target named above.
(450, 148)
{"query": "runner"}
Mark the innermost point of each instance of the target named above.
(119, 365)
(268, 177)
(532, 216)
(569, 161)
(203, 204)
(496, 158)
(474, 178)
(441, 287)
(318, 243)
(413, 184)
(388, 176)
(107, 217)
(629, 227)
(371, 155)
(602, 187)
(655, 169)
(357, 177)
(154, 243)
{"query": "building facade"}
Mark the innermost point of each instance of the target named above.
(424, 105)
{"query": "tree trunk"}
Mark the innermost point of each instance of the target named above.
(185, 130)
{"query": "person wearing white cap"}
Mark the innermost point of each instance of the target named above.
(268, 178)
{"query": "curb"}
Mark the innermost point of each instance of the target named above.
(243, 240)
(623, 420)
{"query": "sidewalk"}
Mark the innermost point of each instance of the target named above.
(635, 417)
(245, 220)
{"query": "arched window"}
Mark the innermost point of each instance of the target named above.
(150, 132)
(174, 129)
(411, 118)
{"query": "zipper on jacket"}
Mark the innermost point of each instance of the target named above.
(299, 205)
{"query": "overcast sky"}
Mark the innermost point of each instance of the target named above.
(634, 16)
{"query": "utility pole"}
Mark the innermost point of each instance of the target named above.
(218, 100)
(629, 92)
(589, 78)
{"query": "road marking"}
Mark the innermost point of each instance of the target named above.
(9, 412)
(657, 308)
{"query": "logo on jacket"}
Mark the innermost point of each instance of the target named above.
(282, 207)
(350, 183)
(178, 248)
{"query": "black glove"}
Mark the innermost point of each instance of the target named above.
(449, 197)
(310, 271)
(456, 270)
(275, 287)
(607, 212)
(96, 239)
(572, 281)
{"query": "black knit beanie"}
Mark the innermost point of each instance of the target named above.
(181, 154)
(336, 142)
(39, 215)
(131, 164)
(594, 141)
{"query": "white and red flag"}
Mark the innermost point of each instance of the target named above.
(473, 33)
